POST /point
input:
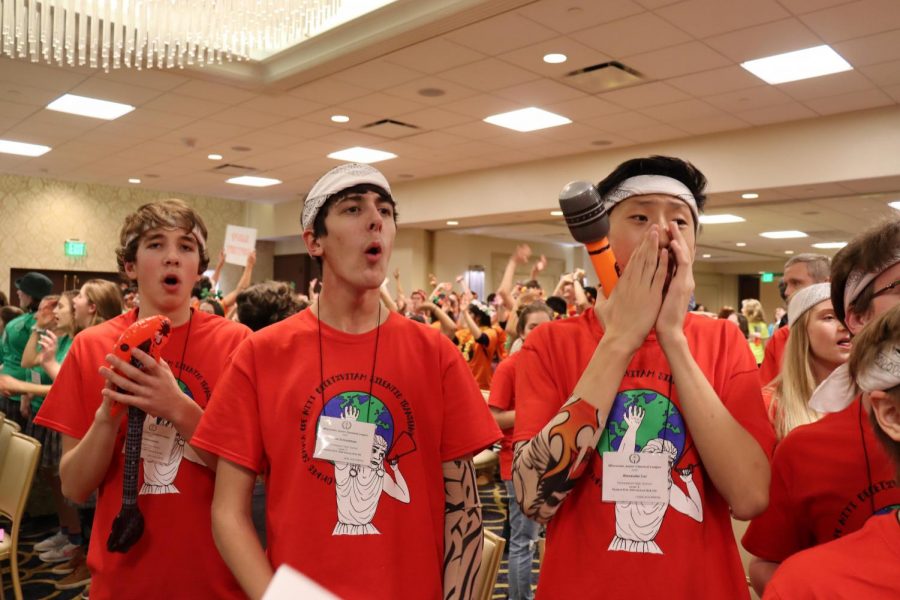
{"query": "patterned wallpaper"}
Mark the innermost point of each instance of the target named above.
(37, 215)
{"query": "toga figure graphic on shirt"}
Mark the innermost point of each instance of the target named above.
(159, 477)
(358, 487)
(637, 523)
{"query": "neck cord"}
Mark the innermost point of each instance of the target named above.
(862, 435)
(187, 337)
(322, 357)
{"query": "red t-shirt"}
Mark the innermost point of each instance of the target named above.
(595, 548)
(176, 556)
(820, 488)
(331, 520)
(864, 564)
(503, 396)
(771, 364)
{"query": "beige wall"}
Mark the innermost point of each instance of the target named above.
(37, 216)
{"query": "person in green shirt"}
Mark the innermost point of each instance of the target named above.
(31, 289)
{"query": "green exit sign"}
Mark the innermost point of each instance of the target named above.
(767, 277)
(75, 248)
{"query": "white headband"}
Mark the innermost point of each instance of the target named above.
(805, 299)
(838, 391)
(642, 185)
(196, 232)
(338, 179)
(858, 280)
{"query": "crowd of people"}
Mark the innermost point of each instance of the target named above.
(358, 408)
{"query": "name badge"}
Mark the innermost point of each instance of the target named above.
(635, 477)
(35, 377)
(345, 440)
(157, 441)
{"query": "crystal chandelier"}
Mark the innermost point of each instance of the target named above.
(157, 33)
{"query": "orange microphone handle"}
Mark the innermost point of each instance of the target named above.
(604, 262)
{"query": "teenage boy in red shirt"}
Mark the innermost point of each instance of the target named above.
(394, 512)
(862, 564)
(831, 476)
(163, 249)
(639, 388)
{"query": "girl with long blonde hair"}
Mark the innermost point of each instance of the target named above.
(757, 326)
(817, 345)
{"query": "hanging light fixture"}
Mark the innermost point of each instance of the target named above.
(164, 33)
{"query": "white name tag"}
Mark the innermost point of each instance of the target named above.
(635, 477)
(157, 441)
(345, 440)
(35, 377)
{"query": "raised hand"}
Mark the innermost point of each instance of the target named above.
(670, 321)
(632, 309)
(541, 264)
(432, 280)
(633, 416)
(521, 254)
(350, 412)
(396, 273)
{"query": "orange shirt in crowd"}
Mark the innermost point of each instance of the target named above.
(479, 357)
(176, 555)
(678, 549)
(360, 531)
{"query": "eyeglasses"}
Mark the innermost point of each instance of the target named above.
(886, 289)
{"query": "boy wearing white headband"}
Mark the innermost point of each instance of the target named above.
(639, 390)
(363, 422)
(830, 476)
(864, 563)
(163, 249)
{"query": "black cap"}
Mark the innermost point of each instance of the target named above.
(35, 285)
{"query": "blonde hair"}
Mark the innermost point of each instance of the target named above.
(753, 310)
(796, 383)
(106, 298)
(69, 296)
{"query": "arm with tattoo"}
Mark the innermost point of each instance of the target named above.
(463, 537)
(547, 467)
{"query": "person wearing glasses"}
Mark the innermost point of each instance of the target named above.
(830, 477)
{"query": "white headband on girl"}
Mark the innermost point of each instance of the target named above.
(805, 299)
(642, 185)
(858, 280)
(838, 391)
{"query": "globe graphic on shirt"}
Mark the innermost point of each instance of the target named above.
(886, 509)
(371, 410)
(184, 388)
(662, 420)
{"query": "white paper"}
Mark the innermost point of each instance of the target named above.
(345, 441)
(157, 441)
(239, 243)
(290, 584)
(635, 477)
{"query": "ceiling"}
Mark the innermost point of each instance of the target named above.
(688, 53)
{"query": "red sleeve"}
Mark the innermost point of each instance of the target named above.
(230, 425)
(740, 391)
(778, 532)
(67, 408)
(503, 385)
(538, 396)
(771, 364)
(468, 425)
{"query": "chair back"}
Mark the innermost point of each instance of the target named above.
(490, 565)
(6, 433)
(16, 474)
(13, 424)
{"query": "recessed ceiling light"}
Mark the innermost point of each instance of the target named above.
(527, 119)
(783, 235)
(214, 156)
(134, 180)
(340, 118)
(750, 196)
(22, 149)
(797, 65)
(829, 245)
(720, 219)
(90, 107)
(895, 204)
(707, 256)
(252, 181)
(452, 222)
(741, 244)
(556, 213)
(362, 155)
(788, 251)
(554, 58)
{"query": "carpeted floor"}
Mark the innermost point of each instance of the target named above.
(494, 509)
(37, 580)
